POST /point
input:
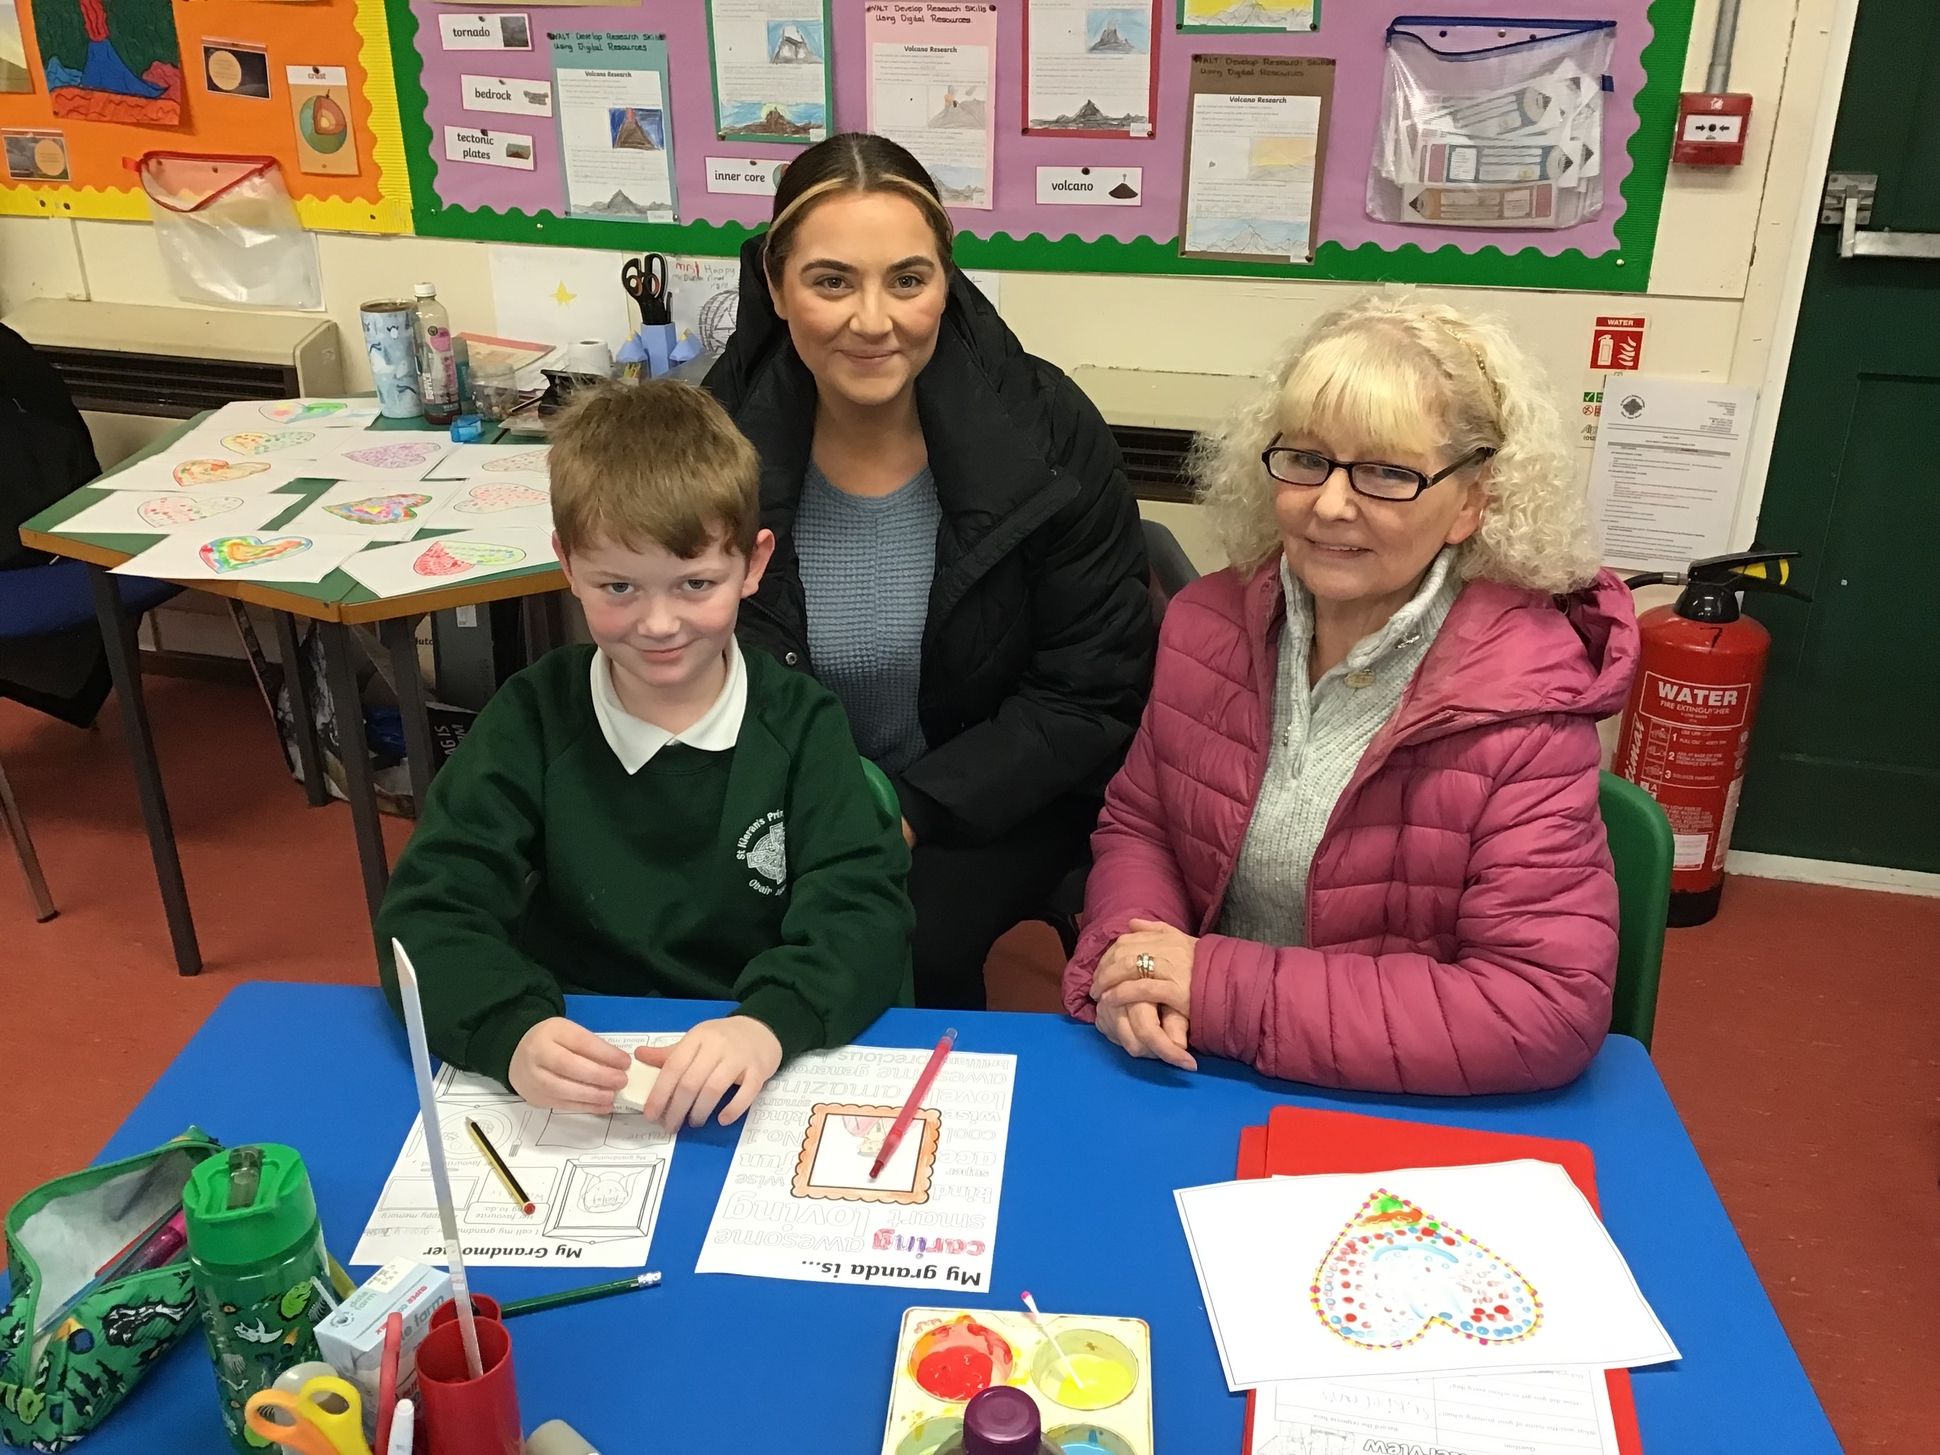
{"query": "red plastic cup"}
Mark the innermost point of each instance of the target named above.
(484, 1306)
(461, 1415)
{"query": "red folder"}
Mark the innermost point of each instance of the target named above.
(1298, 1141)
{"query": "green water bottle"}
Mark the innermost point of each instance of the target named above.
(256, 1251)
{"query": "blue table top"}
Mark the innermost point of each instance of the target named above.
(1098, 1142)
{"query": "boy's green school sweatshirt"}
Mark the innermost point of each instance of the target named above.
(763, 874)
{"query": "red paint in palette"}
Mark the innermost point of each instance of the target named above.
(963, 1357)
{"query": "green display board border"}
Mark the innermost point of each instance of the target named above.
(1626, 269)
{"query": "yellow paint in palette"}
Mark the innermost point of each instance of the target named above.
(945, 1356)
(1097, 1371)
(1105, 1383)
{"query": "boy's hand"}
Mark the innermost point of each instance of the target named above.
(697, 1070)
(565, 1067)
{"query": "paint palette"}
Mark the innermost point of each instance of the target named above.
(944, 1356)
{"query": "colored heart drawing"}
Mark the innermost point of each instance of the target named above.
(1395, 1271)
(215, 472)
(458, 557)
(379, 509)
(294, 411)
(527, 462)
(396, 457)
(260, 442)
(239, 553)
(489, 499)
(167, 510)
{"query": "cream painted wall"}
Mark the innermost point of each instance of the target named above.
(1716, 297)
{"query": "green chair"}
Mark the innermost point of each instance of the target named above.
(892, 813)
(1640, 846)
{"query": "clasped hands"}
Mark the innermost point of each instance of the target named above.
(1147, 1014)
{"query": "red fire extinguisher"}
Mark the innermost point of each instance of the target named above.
(1687, 725)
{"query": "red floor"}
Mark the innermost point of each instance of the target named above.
(1799, 1033)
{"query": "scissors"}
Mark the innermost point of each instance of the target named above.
(645, 281)
(325, 1417)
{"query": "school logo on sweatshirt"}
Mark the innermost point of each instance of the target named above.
(764, 849)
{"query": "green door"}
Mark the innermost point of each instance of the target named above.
(1845, 759)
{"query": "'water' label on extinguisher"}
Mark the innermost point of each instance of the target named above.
(1695, 704)
(1686, 748)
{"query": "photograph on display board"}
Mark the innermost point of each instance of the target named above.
(232, 68)
(36, 156)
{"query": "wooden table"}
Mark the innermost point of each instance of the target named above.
(337, 604)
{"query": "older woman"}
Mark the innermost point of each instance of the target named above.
(1356, 840)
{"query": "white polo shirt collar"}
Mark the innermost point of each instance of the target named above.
(635, 741)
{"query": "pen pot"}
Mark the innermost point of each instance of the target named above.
(484, 1306)
(460, 1415)
(659, 340)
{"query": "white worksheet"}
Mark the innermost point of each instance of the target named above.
(798, 1202)
(255, 555)
(202, 472)
(1555, 1411)
(260, 441)
(144, 512)
(372, 510)
(1250, 175)
(379, 455)
(491, 462)
(494, 503)
(413, 566)
(597, 1180)
(335, 412)
(1415, 1271)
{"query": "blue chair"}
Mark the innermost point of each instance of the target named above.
(37, 601)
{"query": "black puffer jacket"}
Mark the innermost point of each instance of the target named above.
(1037, 652)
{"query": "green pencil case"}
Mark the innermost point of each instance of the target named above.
(60, 1385)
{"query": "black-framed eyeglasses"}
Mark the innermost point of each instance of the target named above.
(1375, 479)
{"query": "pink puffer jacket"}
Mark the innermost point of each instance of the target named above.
(1461, 911)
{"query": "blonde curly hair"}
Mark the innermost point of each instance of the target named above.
(1391, 372)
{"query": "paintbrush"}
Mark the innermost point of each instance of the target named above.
(1037, 1322)
(434, 1148)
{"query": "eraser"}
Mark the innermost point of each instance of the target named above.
(556, 1437)
(640, 1078)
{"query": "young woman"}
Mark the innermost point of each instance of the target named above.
(958, 554)
(1356, 841)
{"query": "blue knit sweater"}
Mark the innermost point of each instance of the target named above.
(866, 564)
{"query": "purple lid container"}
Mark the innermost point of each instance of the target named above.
(1001, 1421)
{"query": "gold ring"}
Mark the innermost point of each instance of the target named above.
(1146, 966)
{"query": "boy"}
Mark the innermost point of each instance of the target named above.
(661, 813)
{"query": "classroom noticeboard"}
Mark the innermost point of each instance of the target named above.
(515, 190)
(87, 86)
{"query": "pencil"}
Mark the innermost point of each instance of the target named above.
(526, 1204)
(545, 1301)
(921, 1090)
